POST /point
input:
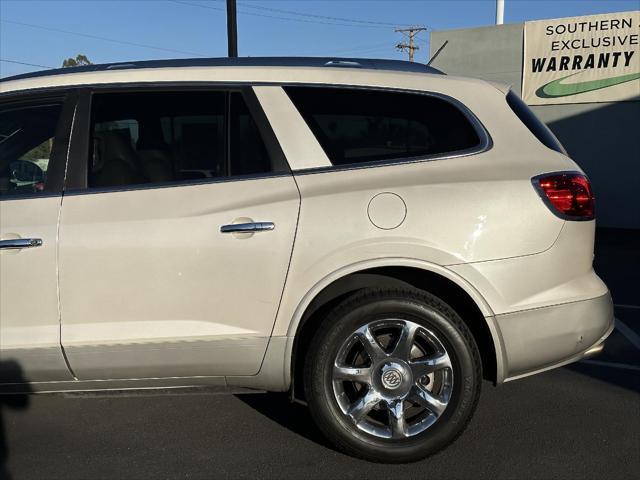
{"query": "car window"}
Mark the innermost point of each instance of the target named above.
(140, 138)
(26, 141)
(354, 125)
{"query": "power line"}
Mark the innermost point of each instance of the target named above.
(106, 39)
(209, 7)
(255, 14)
(363, 47)
(365, 53)
(24, 63)
(325, 17)
(362, 50)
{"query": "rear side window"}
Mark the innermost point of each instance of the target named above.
(355, 126)
(27, 136)
(140, 138)
(533, 123)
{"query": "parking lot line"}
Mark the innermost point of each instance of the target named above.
(628, 333)
(623, 305)
(622, 366)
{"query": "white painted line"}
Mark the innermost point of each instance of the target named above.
(622, 366)
(622, 305)
(629, 334)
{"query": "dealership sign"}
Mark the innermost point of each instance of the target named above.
(595, 58)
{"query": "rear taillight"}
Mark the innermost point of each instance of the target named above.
(568, 195)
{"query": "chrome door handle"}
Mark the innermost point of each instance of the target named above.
(247, 227)
(18, 243)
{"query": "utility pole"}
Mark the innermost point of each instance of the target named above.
(499, 12)
(410, 33)
(232, 29)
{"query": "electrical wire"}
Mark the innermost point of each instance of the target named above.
(325, 17)
(97, 37)
(255, 14)
(24, 63)
(365, 48)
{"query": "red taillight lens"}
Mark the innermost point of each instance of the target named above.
(568, 195)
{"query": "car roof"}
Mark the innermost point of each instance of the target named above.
(292, 62)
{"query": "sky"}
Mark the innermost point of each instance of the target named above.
(45, 32)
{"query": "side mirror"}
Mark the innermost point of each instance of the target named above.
(24, 172)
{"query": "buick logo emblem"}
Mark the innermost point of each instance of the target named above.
(391, 379)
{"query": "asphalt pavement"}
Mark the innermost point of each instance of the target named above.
(580, 421)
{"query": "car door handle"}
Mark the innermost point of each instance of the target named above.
(247, 227)
(17, 243)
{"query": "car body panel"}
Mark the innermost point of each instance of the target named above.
(29, 316)
(118, 386)
(433, 231)
(562, 274)
(150, 287)
(300, 147)
(541, 338)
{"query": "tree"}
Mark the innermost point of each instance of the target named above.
(76, 62)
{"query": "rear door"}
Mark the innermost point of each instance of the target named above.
(33, 150)
(175, 236)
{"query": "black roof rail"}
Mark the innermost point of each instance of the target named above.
(367, 63)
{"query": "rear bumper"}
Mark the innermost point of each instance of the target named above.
(544, 338)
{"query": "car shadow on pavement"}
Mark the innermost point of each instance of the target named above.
(290, 415)
(629, 379)
(10, 372)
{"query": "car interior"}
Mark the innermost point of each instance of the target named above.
(158, 137)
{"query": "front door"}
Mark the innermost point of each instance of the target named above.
(174, 254)
(32, 161)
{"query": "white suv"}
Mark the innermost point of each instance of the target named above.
(371, 235)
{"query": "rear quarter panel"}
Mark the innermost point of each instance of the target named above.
(459, 210)
(452, 217)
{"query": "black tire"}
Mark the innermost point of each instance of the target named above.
(420, 308)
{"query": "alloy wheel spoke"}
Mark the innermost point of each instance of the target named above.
(405, 341)
(428, 400)
(392, 378)
(352, 374)
(371, 345)
(420, 368)
(397, 421)
(363, 406)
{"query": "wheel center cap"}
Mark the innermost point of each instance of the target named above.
(391, 378)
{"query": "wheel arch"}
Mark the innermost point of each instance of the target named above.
(396, 273)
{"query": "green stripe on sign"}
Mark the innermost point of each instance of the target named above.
(556, 89)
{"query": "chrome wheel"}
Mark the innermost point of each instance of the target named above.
(392, 378)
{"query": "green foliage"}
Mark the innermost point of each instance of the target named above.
(40, 152)
(76, 62)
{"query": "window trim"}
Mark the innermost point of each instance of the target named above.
(77, 175)
(66, 99)
(485, 144)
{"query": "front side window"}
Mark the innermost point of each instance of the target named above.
(26, 140)
(355, 125)
(140, 138)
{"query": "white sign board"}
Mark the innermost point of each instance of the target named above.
(594, 58)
